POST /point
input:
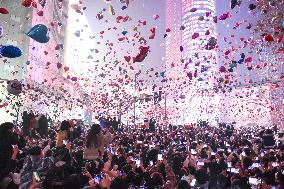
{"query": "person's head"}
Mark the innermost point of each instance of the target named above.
(35, 151)
(118, 183)
(92, 137)
(65, 125)
(6, 128)
(183, 184)
(157, 179)
(63, 155)
(75, 181)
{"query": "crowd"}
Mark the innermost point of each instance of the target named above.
(95, 157)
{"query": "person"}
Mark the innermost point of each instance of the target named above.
(268, 139)
(26, 122)
(57, 176)
(34, 162)
(115, 124)
(42, 125)
(95, 142)
(63, 133)
(281, 136)
(152, 125)
(8, 152)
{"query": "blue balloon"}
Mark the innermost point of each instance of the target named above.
(10, 51)
(39, 33)
(241, 60)
(124, 32)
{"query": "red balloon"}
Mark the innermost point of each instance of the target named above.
(27, 3)
(40, 13)
(222, 69)
(268, 38)
(249, 59)
(3, 10)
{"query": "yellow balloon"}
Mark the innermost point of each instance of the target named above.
(111, 10)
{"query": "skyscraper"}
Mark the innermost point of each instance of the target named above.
(173, 54)
(199, 29)
(191, 54)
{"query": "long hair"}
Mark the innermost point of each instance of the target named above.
(4, 128)
(92, 137)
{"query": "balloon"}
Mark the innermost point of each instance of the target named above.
(39, 33)
(156, 16)
(111, 10)
(153, 33)
(124, 32)
(10, 51)
(224, 16)
(222, 69)
(252, 7)
(3, 10)
(42, 3)
(268, 38)
(1, 31)
(211, 44)
(27, 3)
(234, 3)
(142, 54)
(193, 10)
(195, 35)
(14, 87)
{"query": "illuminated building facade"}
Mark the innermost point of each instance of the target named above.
(173, 53)
(60, 97)
(199, 26)
(45, 58)
(15, 25)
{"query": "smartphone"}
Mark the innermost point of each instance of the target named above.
(36, 176)
(262, 154)
(193, 182)
(200, 163)
(97, 179)
(275, 164)
(193, 152)
(137, 163)
(160, 157)
(213, 153)
(229, 164)
(234, 170)
(254, 181)
(256, 165)
(151, 163)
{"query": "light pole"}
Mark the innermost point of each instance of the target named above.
(135, 88)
